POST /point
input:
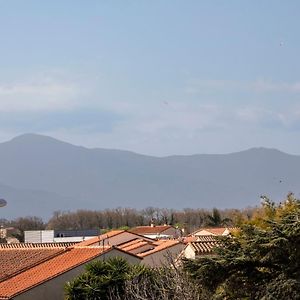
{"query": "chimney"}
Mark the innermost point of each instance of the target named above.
(152, 223)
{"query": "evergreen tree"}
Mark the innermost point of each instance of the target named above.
(215, 219)
(261, 262)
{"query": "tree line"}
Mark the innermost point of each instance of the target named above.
(125, 218)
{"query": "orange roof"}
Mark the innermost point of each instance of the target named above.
(69, 259)
(14, 261)
(161, 246)
(216, 231)
(100, 238)
(206, 238)
(189, 239)
(204, 247)
(131, 242)
(37, 245)
(150, 229)
(135, 245)
(202, 238)
(211, 230)
(158, 242)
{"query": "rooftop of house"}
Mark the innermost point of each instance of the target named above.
(36, 245)
(189, 239)
(203, 238)
(212, 231)
(101, 237)
(53, 266)
(24, 266)
(134, 244)
(14, 261)
(159, 247)
(204, 247)
(150, 229)
(142, 247)
(130, 236)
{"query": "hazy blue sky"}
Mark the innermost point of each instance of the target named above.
(155, 77)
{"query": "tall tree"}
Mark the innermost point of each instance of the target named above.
(215, 219)
(261, 262)
(26, 223)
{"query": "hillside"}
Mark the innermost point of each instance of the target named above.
(40, 175)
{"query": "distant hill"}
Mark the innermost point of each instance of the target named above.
(40, 174)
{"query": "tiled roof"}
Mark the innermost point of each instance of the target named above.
(206, 238)
(203, 238)
(131, 242)
(134, 244)
(150, 229)
(67, 260)
(137, 246)
(204, 247)
(161, 246)
(142, 247)
(211, 230)
(159, 242)
(36, 245)
(216, 231)
(189, 239)
(14, 261)
(101, 237)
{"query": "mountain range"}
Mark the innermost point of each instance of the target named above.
(40, 175)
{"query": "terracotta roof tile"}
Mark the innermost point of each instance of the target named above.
(69, 259)
(159, 242)
(206, 238)
(204, 247)
(203, 238)
(100, 237)
(216, 231)
(211, 231)
(14, 261)
(161, 246)
(189, 239)
(36, 245)
(134, 245)
(150, 229)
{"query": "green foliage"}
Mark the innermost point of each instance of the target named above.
(124, 228)
(261, 262)
(124, 218)
(115, 279)
(102, 279)
(26, 223)
(215, 219)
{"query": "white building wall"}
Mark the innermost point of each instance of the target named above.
(189, 252)
(39, 236)
(72, 239)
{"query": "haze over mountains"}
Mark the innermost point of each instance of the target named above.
(40, 174)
